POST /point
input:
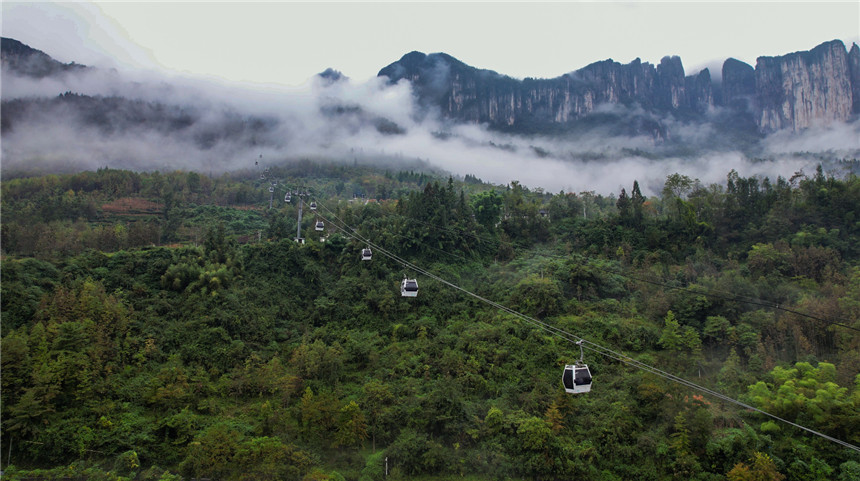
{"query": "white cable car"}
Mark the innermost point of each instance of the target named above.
(409, 287)
(313, 206)
(271, 189)
(366, 254)
(576, 377)
(320, 226)
(287, 197)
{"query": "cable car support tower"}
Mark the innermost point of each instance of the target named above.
(299, 238)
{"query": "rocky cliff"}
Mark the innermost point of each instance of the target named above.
(789, 92)
(854, 69)
(468, 94)
(738, 85)
(797, 90)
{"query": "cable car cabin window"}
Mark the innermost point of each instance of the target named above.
(567, 379)
(582, 376)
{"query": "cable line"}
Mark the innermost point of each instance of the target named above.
(728, 297)
(592, 346)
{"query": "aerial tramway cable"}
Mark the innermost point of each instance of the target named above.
(729, 297)
(584, 343)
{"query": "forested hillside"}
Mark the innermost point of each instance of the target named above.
(167, 326)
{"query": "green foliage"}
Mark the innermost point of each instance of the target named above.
(808, 395)
(487, 207)
(243, 357)
(671, 338)
(537, 296)
(374, 469)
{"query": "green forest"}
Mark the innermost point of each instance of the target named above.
(167, 326)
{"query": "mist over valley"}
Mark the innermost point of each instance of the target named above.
(68, 117)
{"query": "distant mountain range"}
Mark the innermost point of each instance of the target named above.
(786, 93)
(24, 60)
(793, 91)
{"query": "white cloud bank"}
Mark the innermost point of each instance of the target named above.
(346, 119)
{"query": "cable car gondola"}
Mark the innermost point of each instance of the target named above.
(320, 226)
(271, 189)
(409, 287)
(287, 197)
(576, 377)
(313, 206)
(366, 254)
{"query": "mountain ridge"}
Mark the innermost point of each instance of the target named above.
(782, 93)
(828, 74)
(31, 62)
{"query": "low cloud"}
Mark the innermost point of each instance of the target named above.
(214, 126)
(837, 139)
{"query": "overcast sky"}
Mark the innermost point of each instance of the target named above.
(288, 42)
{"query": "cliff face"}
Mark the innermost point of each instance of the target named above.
(468, 94)
(738, 85)
(789, 92)
(796, 90)
(854, 70)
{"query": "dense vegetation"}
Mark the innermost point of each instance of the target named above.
(167, 326)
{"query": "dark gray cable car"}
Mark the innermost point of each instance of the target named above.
(409, 287)
(320, 226)
(576, 377)
(366, 254)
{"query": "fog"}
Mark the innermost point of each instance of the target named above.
(213, 126)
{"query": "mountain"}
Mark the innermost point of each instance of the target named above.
(26, 61)
(798, 89)
(789, 92)
(111, 114)
(76, 115)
